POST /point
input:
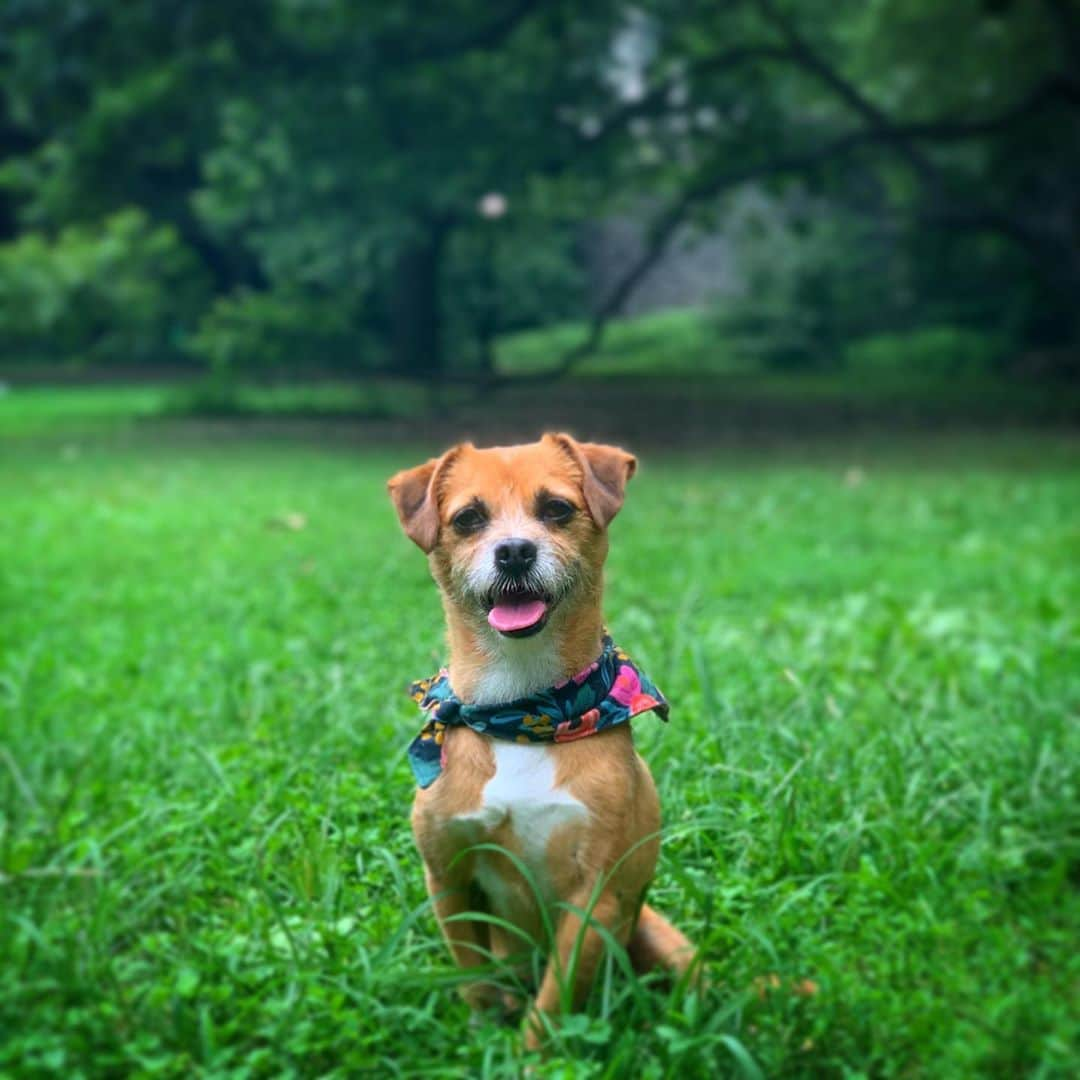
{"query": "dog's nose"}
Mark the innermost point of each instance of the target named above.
(515, 557)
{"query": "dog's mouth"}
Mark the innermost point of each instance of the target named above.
(517, 611)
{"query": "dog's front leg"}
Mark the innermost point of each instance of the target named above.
(576, 956)
(469, 940)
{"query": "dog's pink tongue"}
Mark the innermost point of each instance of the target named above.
(509, 617)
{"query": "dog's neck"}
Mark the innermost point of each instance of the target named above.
(487, 668)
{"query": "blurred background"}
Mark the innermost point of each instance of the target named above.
(746, 215)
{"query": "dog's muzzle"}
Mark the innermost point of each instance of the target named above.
(518, 605)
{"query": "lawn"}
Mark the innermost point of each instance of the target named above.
(670, 362)
(46, 411)
(869, 777)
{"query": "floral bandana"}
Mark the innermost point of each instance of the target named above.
(610, 691)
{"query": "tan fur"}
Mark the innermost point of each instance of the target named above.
(617, 844)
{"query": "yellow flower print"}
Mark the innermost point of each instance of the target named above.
(537, 725)
(434, 731)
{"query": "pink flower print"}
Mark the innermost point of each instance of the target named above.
(564, 733)
(627, 691)
(642, 703)
(626, 686)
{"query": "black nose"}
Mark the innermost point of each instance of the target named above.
(515, 557)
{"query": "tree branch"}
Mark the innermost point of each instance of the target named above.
(879, 129)
(905, 138)
(842, 88)
(713, 64)
(902, 137)
(666, 224)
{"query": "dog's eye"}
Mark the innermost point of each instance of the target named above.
(469, 520)
(557, 510)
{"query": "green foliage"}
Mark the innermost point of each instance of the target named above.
(823, 287)
(869, 779)
(281, 331)
(932, 350)
(339, 151)
(665, 343)
(398, 161)
(814, 278)
(122, 292)
(925, 59)
(508, 275)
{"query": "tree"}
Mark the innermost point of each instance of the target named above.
(353, 168)
(959, 119)
(108, 105)
(326, 156)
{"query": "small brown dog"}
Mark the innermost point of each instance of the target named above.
(516, 538)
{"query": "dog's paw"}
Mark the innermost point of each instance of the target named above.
(491, 1004)
(481, 997)
(513, 1005)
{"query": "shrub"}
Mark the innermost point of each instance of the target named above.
(122, 291)
(280, 331)
(932, 350)
(507, 276)
(811, 278)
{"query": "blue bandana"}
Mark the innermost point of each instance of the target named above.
(610, 691)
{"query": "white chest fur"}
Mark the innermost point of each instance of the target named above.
(523, 795)
(518, 667)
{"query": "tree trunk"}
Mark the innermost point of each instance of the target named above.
(416, 310)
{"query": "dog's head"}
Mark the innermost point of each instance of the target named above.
(515, 534)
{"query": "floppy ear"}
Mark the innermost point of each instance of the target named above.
(410, 491)
(414, 493)
(605, 471)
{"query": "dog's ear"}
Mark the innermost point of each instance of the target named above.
(605, 471)
(414, 493)
(410, 491)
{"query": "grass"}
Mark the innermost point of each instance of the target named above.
(676, 342)
(664, 360)
(111, 407)
(687, 346)
(869, 779)
(77, 410)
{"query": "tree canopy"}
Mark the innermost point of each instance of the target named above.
(390, 185)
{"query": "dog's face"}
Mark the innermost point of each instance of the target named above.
(515, 534)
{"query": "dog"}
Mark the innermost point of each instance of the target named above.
(527, 749)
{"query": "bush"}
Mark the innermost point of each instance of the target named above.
(812, 279)
(279, 331)
(123, 291)
(933, 350)
(507, 276)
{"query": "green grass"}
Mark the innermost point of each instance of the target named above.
(869, 778)
(686, 344)
(90, 410)
(677, 342)
(669, 360)
(77, 410)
